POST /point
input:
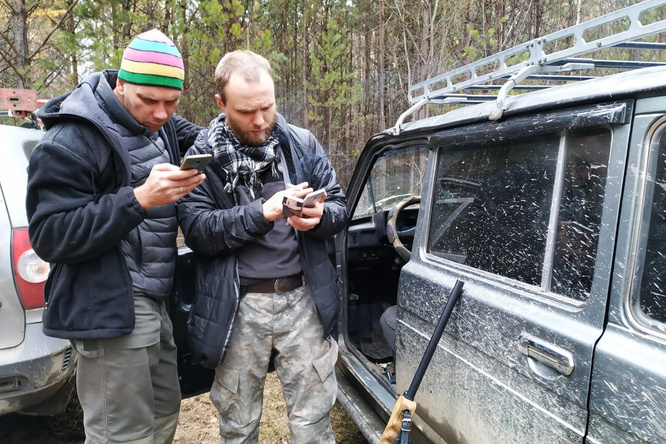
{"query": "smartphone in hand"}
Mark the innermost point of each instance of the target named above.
(293, 206)
(196, 161)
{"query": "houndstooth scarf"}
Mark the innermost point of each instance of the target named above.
(240, 162)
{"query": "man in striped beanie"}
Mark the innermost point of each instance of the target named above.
(102, 185)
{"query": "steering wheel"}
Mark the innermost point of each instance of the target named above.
(392, 231)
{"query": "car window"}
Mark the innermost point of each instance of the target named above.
(18, 145)
(495, 201)
(395, 176)
(491, 207)
(29, 147)
(652, 293)
(580, 208)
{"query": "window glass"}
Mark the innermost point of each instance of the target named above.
(395, 176)
(29, 147)
(653, 277)
(491, 208)
(494, 205)
(580, 211)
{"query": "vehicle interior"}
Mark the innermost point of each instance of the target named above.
(194, 379)
(379, 241)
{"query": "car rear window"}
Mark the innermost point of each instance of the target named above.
(18, 144)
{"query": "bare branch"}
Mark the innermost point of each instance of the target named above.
(12, 66)
(9, 5)
(57, 27)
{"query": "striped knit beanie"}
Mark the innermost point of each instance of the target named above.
(152, 59)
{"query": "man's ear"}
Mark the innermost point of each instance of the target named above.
(218, 99)
(119, 90)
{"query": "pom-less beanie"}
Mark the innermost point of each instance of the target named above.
(152, 59)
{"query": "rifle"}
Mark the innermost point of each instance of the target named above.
(397, 430)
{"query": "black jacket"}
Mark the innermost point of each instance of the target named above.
(215, 229)
(80, 205)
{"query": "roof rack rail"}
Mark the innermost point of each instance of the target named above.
(540, 60)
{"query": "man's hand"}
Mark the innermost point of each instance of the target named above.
(166, 184)
(272, 208)
(310, 216)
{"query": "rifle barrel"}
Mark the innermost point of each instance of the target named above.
(434, 340)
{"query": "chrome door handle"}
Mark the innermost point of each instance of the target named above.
(547, 354)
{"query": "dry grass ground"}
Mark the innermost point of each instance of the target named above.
(197, 423)
(198, 420)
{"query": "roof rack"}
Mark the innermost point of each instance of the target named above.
(541, 60)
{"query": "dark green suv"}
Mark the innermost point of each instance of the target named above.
(549, 204)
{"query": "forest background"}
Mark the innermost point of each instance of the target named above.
(342, 67)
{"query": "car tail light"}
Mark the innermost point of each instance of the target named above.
(30, 272)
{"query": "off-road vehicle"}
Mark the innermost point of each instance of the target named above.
(546, 196)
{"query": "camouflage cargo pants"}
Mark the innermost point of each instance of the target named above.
(288, 324)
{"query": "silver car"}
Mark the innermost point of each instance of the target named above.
(35, 370)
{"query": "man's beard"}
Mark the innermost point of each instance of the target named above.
(246, 137)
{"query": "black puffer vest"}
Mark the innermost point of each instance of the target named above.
(149, 249)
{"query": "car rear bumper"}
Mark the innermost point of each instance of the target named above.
(34, 371)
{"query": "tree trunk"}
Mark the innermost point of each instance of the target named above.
(367, 73)
(382, 68)
(304, 66)
(71, 28)
(21, 44)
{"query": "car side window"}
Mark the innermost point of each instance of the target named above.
(395, 176)
(491, 207)
(29, 147)
(580, 208)
(652, 293)
(526, 209)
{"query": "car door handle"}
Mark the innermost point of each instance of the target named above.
(548, 354)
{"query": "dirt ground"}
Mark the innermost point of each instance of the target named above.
(197, 423)
(198, 420)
